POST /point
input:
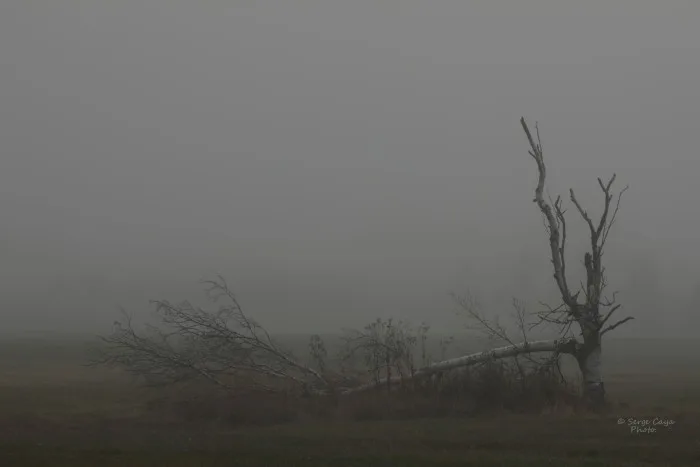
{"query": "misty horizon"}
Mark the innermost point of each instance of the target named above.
(341, 161)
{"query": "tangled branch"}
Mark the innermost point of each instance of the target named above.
(225, 346)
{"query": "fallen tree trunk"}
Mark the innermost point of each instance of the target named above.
(567, 346)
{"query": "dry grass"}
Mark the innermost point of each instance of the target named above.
(55, 412)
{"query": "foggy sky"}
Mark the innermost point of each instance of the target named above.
(340, 160)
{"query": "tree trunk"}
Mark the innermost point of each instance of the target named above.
(559, 345)
(590, 362)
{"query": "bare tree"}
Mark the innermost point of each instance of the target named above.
(556, 346)
(232, 351)
(388, 350)
(588, 307)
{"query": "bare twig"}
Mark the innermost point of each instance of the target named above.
(613, 326)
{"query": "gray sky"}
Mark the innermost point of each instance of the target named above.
(339, 160)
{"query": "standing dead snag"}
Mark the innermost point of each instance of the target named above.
(585, 311)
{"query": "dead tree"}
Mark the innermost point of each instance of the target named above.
(230, 350)
(557, 346)
(588, 308)
(495, 332)
(234, 352)
(380, 343)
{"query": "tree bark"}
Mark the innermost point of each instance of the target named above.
(590, 362)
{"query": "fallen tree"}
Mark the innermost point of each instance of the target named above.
(235, 353)
(556, 346)
(390, 348)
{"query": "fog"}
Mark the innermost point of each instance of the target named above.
(339, 161)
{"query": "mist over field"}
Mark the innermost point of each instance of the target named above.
(349, 166)
(340, 161)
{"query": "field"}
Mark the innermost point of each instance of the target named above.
(54, 411)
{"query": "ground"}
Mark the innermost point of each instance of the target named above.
(55, 412)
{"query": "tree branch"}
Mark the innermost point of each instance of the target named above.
(613, 326)
(223, 346)
(546, 209)
(608, 315)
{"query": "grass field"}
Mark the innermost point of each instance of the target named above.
(55, 412)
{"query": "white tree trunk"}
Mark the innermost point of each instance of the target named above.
(557, 345)
(592, 367)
